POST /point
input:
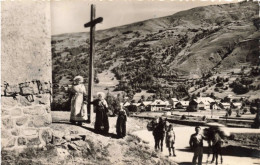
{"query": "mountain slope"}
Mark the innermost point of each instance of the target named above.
(157, 52)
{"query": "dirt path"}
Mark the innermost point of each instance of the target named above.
(232, 154)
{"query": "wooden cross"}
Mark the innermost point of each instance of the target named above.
(92, 25)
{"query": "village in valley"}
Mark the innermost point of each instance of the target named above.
(215, 104)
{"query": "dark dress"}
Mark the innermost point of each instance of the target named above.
(121, 124)
(102, 123)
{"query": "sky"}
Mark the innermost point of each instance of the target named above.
(69, 16)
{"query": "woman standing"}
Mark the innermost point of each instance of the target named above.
(121, 123)
(170, 140)
(101, 108)
(78, 107)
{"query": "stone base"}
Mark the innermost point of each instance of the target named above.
(25, 123)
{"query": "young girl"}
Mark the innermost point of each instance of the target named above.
(121, 123)
(170, 140)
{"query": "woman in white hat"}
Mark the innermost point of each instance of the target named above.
(78, 107)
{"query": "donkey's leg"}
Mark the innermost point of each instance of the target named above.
(213, 154)
(213, 157)
(220, 152)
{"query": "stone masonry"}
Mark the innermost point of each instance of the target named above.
(26, 80)
(25, 120)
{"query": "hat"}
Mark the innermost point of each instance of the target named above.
(81, 79)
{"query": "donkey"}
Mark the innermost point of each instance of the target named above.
(159, 134)
(215, 142)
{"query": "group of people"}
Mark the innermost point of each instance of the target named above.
(162, 128)
(79, 115)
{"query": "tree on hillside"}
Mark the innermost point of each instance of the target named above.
(212, 95)
(193, 97)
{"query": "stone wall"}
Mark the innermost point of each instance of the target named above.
(25, 74)
(25, 119)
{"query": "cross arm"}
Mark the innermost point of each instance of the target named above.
(94, 22)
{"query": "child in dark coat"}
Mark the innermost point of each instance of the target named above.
(121, 123)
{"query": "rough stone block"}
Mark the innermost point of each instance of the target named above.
(21, 141)
(67, 138)
(58, 142)
(62, 153)
(21, 121)
(8, 123)
(33, 141)
(72, 147)
(2, 90)
(24, 101)
(9, 101)
(8, 143)
(43, 99)
(79, 143)
(15, 111)
(27, 91)
(40, 121)
(83, 137)
(46, 135)
(5, 111)
(58, 134)
(74, 132)
(5, 134)
(15, 132)
(35, 110)
(13, 89)
(46, 87)
(30, 132)
(48, 109)
(72, 137)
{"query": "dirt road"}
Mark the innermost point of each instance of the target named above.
(232, 155)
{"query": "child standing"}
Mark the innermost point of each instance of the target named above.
(170, 140)
(121, 123)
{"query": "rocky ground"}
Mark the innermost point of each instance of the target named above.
(71, 144)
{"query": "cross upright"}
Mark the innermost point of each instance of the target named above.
(92, 25)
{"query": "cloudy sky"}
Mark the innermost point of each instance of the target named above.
(69, 16)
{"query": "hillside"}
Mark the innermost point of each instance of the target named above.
(159, 52)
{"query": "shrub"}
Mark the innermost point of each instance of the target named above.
(183, 117)
(253, 110)
(219, 84)
(245, 110)
(232, 137)
(239, 88)
(229, 111)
